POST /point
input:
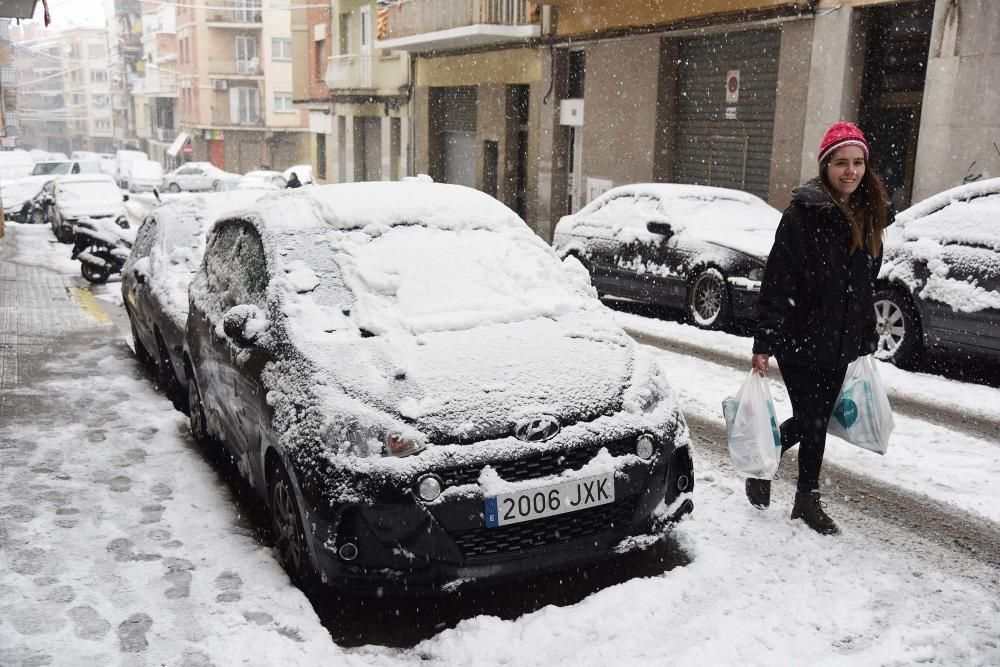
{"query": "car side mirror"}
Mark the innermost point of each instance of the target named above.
(237, 324)
(657, 227)
(124, 197)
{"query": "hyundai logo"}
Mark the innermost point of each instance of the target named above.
(536, 429)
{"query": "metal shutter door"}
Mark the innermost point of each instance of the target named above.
(453, 117)
(710, 149)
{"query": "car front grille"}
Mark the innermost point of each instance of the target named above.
(537, 465)
(520, 537)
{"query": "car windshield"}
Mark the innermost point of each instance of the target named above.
(88, 193)
(47, 168)
(971, 222)
(415, 279)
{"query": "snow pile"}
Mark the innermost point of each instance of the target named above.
(729, 218)
(16, 192)
(79, 196)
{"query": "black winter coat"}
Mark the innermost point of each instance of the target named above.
(816, 305)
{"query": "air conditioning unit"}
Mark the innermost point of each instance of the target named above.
(220, 84)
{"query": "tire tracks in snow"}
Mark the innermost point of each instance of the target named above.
(980, 426)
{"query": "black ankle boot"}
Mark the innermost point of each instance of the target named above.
(759, 492)
(809, 508)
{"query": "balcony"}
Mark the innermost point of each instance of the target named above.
(245, 117)
(241, 14)
(230, 67)
(349, 71)
(441, 25)
(165, 134)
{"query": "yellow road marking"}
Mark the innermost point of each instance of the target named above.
(89, 304)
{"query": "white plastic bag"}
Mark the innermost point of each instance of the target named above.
(862, 415)
(752, 429)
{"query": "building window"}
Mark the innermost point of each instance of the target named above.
(321, 156)
(102, 124)
(98, 76)
(283, 103)
(319, 61)
(281, 48)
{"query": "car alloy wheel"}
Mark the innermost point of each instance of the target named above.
(286, 522)
(708, 302)
(898, 326)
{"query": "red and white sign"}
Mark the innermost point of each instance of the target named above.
(188, 149)
(733, 86)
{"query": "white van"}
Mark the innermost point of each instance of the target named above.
(122, 161)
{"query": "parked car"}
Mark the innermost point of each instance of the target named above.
(145, 176)
(21, 198)
(686, 246)
(66, 167)
(15, 164)
(198, 177)
(940, 279)
(67, 199)
(422, 392)
(268, 180)
(123, 161)
(168, 248)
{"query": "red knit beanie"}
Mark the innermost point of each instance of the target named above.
(843, 134)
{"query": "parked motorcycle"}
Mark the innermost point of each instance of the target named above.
(102, 245)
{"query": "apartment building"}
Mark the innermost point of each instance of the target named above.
(548, 105)
(64, 89)
(9, 119)
(155, 89)
(357, 95)
(124, 37)
(235, 85)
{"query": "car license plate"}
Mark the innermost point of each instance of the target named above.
(549, 500)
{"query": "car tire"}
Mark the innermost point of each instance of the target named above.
(141, 353)
(287, 525)
(64, 232)
(897, 322)
(95, 274)
(167, 377)
(173, 187)
(36, 217)
(708, 301)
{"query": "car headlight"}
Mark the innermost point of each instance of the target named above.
(756, 273)
(399, 445)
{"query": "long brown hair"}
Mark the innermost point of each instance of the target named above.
(867, 213)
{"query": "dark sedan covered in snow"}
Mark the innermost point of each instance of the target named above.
(424, 394)
(694, 247)
(165, 255)
(940, 279)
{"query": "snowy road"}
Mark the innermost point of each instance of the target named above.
(120, 544)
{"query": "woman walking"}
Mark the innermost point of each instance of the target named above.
(816, 313)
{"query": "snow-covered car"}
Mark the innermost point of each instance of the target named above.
(198, 177)
(66, 167)
(423, 392)
(684, 246)
(940, 279)
(70, 198)
(167, 252)
(123, 162)
(144, 176)
(304, 172)
(15, 164)
(262, 179)
(19, 198)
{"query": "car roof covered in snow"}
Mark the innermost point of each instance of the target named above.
(667, 191)
(358, 205)
(84, 178)
(936, 202)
